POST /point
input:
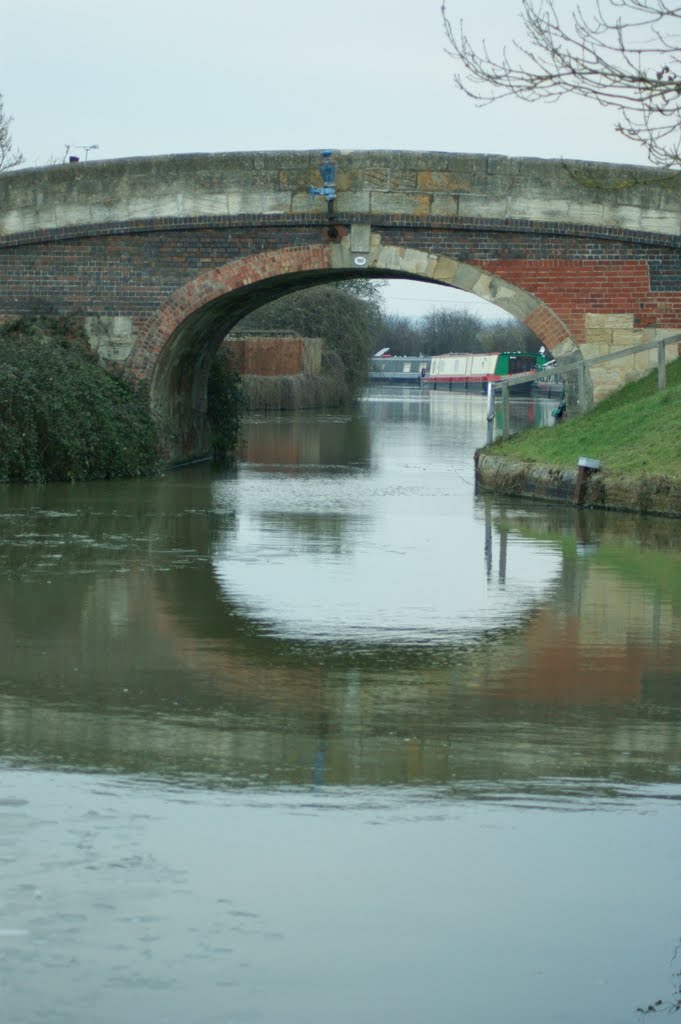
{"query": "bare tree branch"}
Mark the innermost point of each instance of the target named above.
(9, 156)
(625, 55)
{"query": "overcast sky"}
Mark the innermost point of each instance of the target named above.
(138, 77)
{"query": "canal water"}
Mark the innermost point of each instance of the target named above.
(332, 738)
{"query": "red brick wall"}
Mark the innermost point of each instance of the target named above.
(572, 288)
(271, 356)
(132, 271)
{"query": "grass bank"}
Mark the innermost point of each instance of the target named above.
(635, 432)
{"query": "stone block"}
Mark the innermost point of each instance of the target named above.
(599, 336)
(592, 350)
(445, 269)
(445, 206)
(593, 320)
(409, 261)
(360, 238)
(441, 181)
(476, 205)
(402, 180)
(203, 205)
(564, 349)
(585, 213)
(607, 378)
(412, 204)
(484, 286)
(341, 256)
(622, 216)
(619, 321)
(645, 361)
(359, 179)
(539, 207)
(110, 337)
(258, 202)
(625, 338)
(353, 202)
(666, 223)
(515, 301)
(467, 277)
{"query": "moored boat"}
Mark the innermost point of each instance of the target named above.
(473, 371)
(387, 369)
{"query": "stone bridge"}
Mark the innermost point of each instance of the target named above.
(162, 256)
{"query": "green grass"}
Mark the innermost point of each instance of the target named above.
(636, 432)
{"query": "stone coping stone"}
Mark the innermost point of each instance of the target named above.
(646, 495)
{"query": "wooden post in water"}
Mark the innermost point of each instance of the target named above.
(505, 412)
(585, 467)
(490, 412)
(661, 366)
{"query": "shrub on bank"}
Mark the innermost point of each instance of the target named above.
(225, 403)
(62, 416)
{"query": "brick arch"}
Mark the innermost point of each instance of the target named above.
(174, 353)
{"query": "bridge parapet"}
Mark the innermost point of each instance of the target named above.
(373, 184)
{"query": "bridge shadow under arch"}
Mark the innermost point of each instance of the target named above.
(174, 355)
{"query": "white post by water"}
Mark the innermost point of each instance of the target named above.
(490, 412)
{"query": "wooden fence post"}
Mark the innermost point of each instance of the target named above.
(581, 387)
(661, 366)
(505, 412)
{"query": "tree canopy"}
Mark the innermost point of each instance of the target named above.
(623, 54)
(443, 330)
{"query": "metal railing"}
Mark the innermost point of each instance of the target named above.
(564, 368)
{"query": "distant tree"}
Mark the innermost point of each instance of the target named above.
(446, 331)
(367, 288)
(9, 156)
(509, 336)
(400, 334)
(624, 55)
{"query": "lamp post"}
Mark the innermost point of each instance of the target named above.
(327, 169)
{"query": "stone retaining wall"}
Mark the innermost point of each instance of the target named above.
(652, 495)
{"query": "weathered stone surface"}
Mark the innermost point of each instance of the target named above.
(360, 238)
(482, 206)
(445, 269)
(410, 261)
(650, 495)
(411, 203)
(445, 206)
(444, 184)
(467, 277)
(441, 181)
(110, 337)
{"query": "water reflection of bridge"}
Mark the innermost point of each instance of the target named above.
(175, 677)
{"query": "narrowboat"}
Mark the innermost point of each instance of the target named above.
(387, 369)
(473, 371)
